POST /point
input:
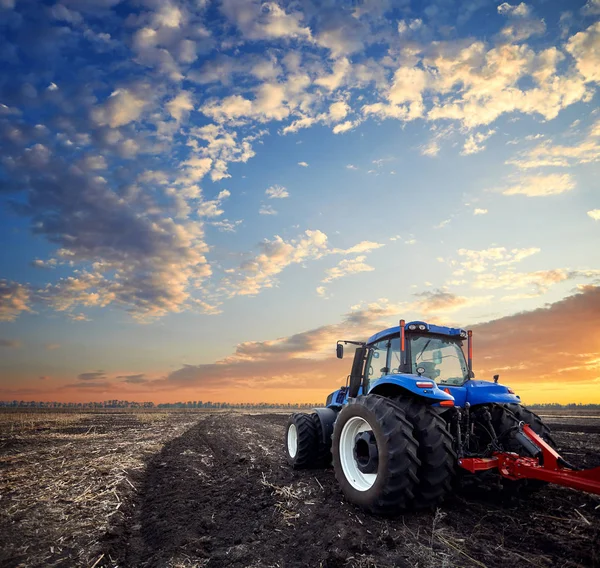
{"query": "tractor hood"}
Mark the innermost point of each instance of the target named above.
(481, 392)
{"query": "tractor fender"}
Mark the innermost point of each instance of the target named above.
(327, 418)
(391, 385)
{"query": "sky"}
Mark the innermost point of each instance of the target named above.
(197, 199)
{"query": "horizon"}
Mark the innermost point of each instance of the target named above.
(199, 198)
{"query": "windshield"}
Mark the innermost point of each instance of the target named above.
(441, 357)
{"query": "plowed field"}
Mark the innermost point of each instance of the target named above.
(219, 492)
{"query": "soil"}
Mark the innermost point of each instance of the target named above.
(222, 494)
(211, 489)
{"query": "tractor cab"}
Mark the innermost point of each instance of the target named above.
(421, 359)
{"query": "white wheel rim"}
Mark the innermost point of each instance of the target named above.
(292, 440)
(359, 480)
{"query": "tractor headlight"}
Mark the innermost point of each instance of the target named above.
(422, 327)
(463, 334)
(412, 327)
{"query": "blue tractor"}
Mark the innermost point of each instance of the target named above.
(412, 417)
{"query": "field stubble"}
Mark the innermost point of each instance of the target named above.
(213, 489)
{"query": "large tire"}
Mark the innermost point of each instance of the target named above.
(537, 425)
(323, 457)
(436, 453)
(503, 420)
(301, 441)
(386, 436)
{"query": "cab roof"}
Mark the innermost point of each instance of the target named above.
(430, 328)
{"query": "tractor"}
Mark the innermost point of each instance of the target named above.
(412, 423)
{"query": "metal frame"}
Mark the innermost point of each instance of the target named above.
(549, 468)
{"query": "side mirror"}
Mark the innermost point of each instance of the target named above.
(339, 350)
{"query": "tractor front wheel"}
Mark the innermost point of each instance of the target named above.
(375, 455)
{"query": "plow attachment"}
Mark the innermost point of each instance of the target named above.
(548, 466)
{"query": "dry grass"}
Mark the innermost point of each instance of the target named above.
(14, 422)
(66, 475)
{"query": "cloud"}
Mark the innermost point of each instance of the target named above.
(440, 301)
(268, 20)
(91, 385)
(180, 106)
(541, 185)
(227, 226)
(276, 192)
(522, 24)
(133, 379)
(549, 154)
(363, 246)
(346, 267)
(14, 299)
(594, 214)
(307, 357)
(303, 164)
(480, 211)
(474, 143)
(267, 210)
(584, 46)
(212, 208)
(520, 343)
(275, 255)
(480, 260)
(538, 282)
(122, 107)
(351, 167)
(52, 346)
(10, 343)
(92, 376)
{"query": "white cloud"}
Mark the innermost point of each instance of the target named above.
(212, 208)
(267, 210)
(265, 20)
(180, 106)
(351, 167)
(594, 214)
(480, 212)
(549, 154)
(275, 255)
(474, 143)
(363, 246)
(14, 299)
(541, 185)
(122, 107)
(303, 164)
(346, 267)
(277, 192)
(480, 260)
(585, 48)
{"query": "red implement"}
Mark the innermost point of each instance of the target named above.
(513, 466)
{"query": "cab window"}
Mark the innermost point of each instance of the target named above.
(377, 365)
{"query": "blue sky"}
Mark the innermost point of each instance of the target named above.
(181, 181)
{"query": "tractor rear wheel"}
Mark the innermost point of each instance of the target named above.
(323, 458)
(436, 453)
(301, 441)
(542, 430)
(375, 455)
(504, 420)
(535, 422)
